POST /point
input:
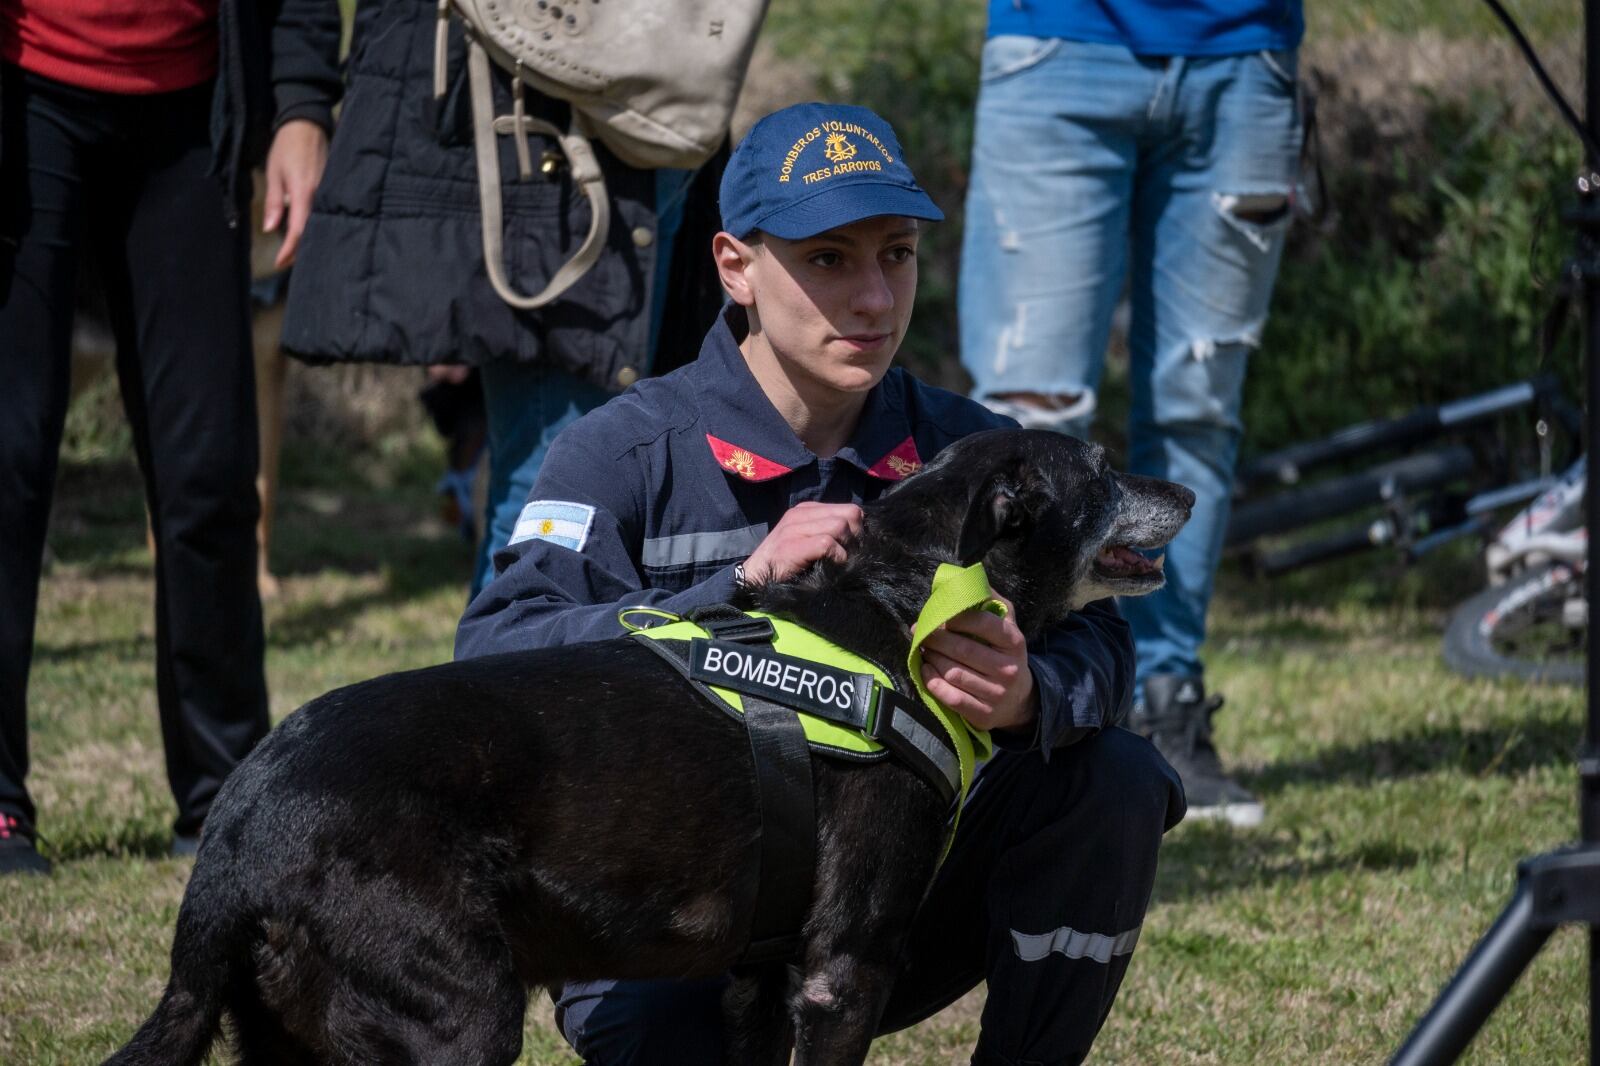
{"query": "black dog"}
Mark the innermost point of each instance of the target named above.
(393, 869)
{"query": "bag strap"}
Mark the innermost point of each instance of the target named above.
(585, 170)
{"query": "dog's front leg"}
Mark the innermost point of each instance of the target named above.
(837, 1011)
(758, 1027)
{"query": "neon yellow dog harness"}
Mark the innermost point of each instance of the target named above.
(799, 693)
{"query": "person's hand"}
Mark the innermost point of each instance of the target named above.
(294, 167)
(976, 664)
(807, 532)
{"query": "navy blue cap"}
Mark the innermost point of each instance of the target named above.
(813, 167)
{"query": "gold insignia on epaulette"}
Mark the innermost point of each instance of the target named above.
(903, 467)
(741, 462)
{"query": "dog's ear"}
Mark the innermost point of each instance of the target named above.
(994, 511)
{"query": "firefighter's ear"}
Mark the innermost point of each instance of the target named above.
(734, 258)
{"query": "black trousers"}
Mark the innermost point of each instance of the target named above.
(1042, 895)
(124, 179)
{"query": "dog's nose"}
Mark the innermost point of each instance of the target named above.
(1186, 495)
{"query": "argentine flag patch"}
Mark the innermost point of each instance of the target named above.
(556, 521)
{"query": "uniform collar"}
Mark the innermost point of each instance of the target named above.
(883, 444)
(750, 439)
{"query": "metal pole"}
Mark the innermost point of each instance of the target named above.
(1480, 984)
(1588, 260)
(1561, 886)
(1588, 269)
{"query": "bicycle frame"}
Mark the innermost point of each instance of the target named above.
(1422, 509)
(1551, 527)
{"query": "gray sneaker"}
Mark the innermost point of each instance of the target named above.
(1176, 715)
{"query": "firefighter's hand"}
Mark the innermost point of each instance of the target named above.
(807, 532)
(976, 664)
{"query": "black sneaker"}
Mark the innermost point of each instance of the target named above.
(17, 852)
(1176, 715)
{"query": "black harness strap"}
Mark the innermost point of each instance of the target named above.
(788, 829)
(782, 760)
(781, 756)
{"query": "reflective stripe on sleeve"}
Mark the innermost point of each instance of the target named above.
(717, 546)
(1031, 947)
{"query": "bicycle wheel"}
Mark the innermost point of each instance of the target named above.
(1519, 629)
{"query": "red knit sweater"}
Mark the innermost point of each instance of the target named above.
(114, 46)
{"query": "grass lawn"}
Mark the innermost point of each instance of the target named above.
(1399, 797)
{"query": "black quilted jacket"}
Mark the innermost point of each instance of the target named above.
(391, 266)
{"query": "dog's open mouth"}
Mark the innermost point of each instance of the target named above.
(1121, 562)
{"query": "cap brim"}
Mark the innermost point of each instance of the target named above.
(844, 204)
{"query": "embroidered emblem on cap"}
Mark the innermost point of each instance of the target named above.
(743, 461)
(839, 148)
(900, 463)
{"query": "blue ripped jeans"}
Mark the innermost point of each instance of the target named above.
(1092, 167)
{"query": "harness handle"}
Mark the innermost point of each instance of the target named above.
(624, 618)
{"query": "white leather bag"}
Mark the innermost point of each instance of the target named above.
(654, 80)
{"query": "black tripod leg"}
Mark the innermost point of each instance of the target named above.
(1478, 987)
(1594, 997)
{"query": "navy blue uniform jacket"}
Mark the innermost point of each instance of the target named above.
(652, 499)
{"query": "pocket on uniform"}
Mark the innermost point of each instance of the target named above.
(1009, 54)
(1283, 65)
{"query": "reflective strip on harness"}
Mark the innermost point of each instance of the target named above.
(937, 751)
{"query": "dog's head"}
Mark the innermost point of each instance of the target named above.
(1053, 524)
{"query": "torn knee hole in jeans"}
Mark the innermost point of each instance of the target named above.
(1252, 212)
(1043, 410)
(1204, 348)
(1011, 336)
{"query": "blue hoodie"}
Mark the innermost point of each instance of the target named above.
(1157, 27)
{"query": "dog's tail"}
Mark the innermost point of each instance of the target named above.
(208, 945)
